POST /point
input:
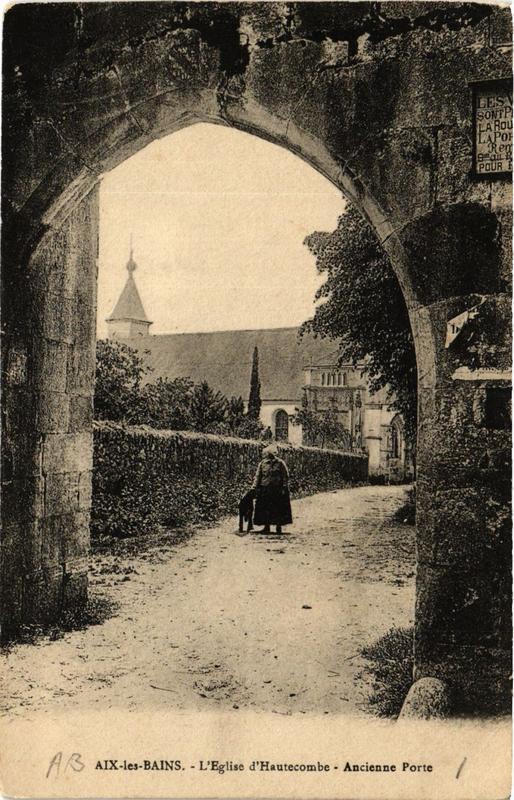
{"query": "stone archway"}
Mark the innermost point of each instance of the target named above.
(311, 78)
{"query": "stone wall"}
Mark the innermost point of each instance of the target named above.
(48, 411)
(144, 478)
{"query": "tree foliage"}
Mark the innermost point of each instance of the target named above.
(208, 408)
(235, 412)
(125, 393)
(243, 425)
(363, 307)
(120, 371)
(322, 428)
(254, 399)
(167, 404)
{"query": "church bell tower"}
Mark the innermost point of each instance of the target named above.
(128, 318)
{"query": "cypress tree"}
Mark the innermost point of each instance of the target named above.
(254, 400)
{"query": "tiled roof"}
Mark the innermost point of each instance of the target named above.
(224, 359)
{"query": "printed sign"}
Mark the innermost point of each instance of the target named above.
(492, 134)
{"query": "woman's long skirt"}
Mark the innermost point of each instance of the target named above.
(272, 506)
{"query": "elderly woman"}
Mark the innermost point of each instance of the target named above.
(271, 485)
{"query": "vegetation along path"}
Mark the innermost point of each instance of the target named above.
(218, 620)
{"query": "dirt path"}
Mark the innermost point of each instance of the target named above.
(263, 622)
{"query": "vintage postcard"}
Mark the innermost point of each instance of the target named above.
(256, 400)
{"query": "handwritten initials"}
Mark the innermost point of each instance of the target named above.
(73, 762)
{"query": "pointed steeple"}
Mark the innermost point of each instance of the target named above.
(131, 264)
(129, 317)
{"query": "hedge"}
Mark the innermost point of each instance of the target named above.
(143, 478)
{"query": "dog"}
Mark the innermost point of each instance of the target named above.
(246, 510)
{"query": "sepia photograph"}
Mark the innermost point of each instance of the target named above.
(256, 400)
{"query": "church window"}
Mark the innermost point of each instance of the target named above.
(395, 442)
(281, 426)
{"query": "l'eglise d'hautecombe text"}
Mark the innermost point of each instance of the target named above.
(222, 767)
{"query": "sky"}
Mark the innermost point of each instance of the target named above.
(218, 218)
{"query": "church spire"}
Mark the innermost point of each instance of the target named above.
(128, 317)
(131, 264)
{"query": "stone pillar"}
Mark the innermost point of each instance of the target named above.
(463, 603)
(49, 358)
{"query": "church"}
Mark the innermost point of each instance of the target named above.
(293, 371)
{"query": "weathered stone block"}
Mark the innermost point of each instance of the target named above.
(67, 452)
(463, 258)
(61, 494)
(409, 152)
(428, 698)
(53, 534)
(21, 455)
(76, 541)
(21, 546)
(53, 412)
(12, 537)
(500, 28)
(460, 607)
(80, 375)
(18, 404)
(11, 594)
(81, 413)
(15, 373)
(50, 261)
(459, 528)
(42, 595)
(74, 589)
(85, 490)
(48, 364)
(64, 539)
(30, 545)
(56, 320)
(455, 154)
(478, 678)
(23, 498)
(85, 320)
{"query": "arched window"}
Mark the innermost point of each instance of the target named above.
(395, 444)
(322, 378)
(339, 379)
(344, 378)
(281, 426)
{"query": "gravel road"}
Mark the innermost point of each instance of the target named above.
(220, 620)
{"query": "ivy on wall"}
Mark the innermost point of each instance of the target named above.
(143, 478)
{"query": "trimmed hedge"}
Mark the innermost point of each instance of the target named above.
(143, 477)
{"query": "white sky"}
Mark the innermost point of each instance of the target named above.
(218, 219)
